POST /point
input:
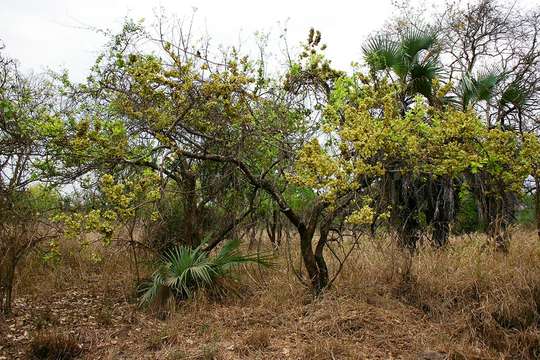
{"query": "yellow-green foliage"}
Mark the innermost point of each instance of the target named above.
(121, 202)
(368, 135)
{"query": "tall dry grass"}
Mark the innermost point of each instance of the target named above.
(466, 301)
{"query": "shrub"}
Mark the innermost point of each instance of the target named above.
(526, 213)
(183, 270)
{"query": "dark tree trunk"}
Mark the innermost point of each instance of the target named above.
(408, 221)
(500, 211)
(498, 231)
(7, 276)
(496, 207)
(537, 204)
(400, 193)
(409, 235)
(191, 232)
(319, 257)
(441, 209)
(273, 230)
(441, 231)
(306, 249)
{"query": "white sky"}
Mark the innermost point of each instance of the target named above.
(54, 34)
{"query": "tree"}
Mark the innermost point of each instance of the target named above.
(493, 54)
(411, 60)
(199, 122)
(141, 111)
(489, 60)
(412, 57)
(365, 148)
(27, 117)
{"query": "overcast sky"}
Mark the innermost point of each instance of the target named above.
(54, 33)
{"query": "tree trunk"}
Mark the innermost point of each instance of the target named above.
(306, 249)
(499, 233)
(537, 204)
(443, 208)
(273, 229)
(319, 257)
(399, 192)
(408, 223)
(409, 236)
(441, 231)
(7, 276)
(496, 207)
(191, 235)
(499, 212)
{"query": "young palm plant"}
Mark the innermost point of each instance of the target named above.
(183, 270)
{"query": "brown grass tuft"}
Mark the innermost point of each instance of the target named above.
(326, 350)
(258, 339)
(54, 346)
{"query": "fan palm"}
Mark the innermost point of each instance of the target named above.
(490, 86)
(481, 87)
(183, 270)
(413, 58)
(518, 95)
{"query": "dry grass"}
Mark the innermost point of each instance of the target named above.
(108, 268)
(465, 302)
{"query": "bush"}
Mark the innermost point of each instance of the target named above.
(163, 234)
(183, 270)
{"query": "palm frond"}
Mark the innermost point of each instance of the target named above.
(381, 53)
(184, 270)
(515, 94)
(406, 59)
(150, 289)
(422, 76)
(481, 87)
(415, 40)
(188, 268)
(466, 90)
(230, 257)
(486, 82)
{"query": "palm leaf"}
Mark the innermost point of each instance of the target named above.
(188, 268)
(184, 270)
(479, 88)
(381, 53)
(486, 82)
(466, 90)
(229, 257)
(422, 75)
(415, 40)
(151, 288)
(515, 94)
(404, 58)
